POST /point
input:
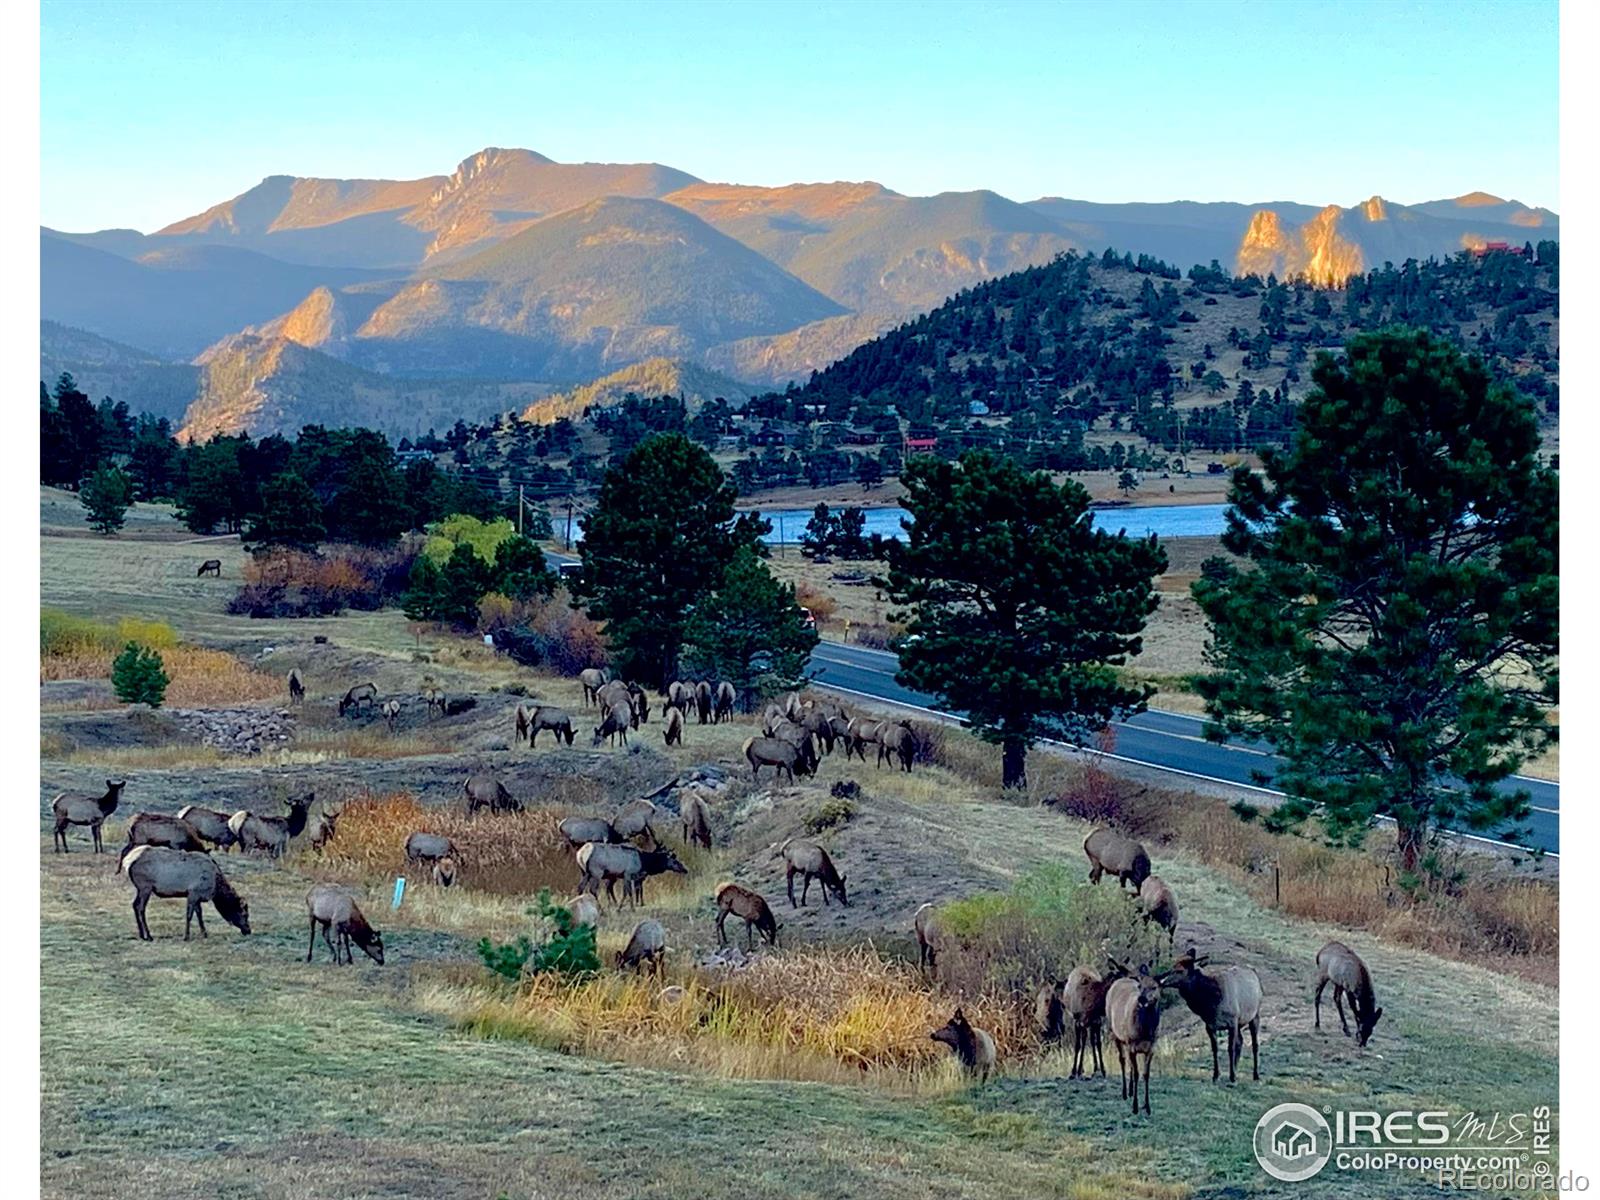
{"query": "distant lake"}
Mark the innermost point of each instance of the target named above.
(1163, 520)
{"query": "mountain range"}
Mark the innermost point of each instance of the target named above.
(518, 269)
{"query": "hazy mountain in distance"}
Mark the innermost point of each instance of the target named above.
(653, 377)
(103, 367)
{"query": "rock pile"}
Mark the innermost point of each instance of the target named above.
(236, 730)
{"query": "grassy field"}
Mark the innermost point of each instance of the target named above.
(230, 1067)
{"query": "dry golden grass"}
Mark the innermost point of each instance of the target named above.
(833, 1016)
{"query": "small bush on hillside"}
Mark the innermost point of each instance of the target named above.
(567, 950)
(830, 815)
(137, 676)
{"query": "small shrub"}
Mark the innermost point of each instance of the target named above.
(568, 949)
(832, 814)
(137, 676)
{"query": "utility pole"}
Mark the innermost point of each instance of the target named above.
(782, 553)
(569, 524)
(519, 508)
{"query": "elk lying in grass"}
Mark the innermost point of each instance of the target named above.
(751, 908)
(973, 1047)
(1084, 999)
(534, 719)
(696, 818)
(158, 829)
(1341, 966)
(485, 790)
(592, 679)
(209, 824)
(297, 687)
(1111, 853)
(272, 834)
(929, 937)
(162, 871)
(578, 830)
(362, 693)
(779, 755)
(336, 911)
(1229, 997)
(445, 872)
(602, 863)
(647, 947)
(75, 808)
(1133, 1008)
(327, 826)
(811, 861)
(672, 735)
(722, 705)
(1158, 904)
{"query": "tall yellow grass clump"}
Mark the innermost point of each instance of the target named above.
(73, 647)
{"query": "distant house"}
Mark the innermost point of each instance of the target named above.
(922, 443)
(776, 435)
(406, 457)
(861, 437)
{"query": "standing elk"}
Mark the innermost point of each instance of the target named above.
(211, 566)
(811, 861)
(702, 701)
(859, 735)
(327, 826)
(76, 808)
(297, 687)
(696, 818)
(1157, 904)
(615, 723)
(1341, 966)
(1084, 998)
(544, 716)
(751, 908)
(1049, 1012)
(601, 862)
(723, 705)
(973, 1047)
(1111, 853)
(672, 735)
(391, 713)
(636, 817)
(158, 829)
(929, 937)
(485, 790)
(896, 741)
(592, 679)
(779, 755)
(271, 834)
(362, 693)
(1225, 996)
(167, 873)
(647, 947)
(210, 824)
(336, 911)
(1133, 1008)
(578, 830)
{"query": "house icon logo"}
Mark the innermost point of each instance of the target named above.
(1293, 1142)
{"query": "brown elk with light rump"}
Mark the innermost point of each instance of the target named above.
(929, 937)
(75, 808)
(158, 829)
(485, 790)
(211, 566)
(605, 863)
(272, 834)
(1133, 1008)
(1049, 1013)
(1225, 996)
(592, 679)
(1084, 998)
(696, 818)
(973, 1047)
(672, 735)
(1341, 966)
(1158, 904)
(722, 709)
(535, 719)
(779, 755)
(896, 741)
(859, 735)
(749, 906)
(209, 824)
(811, 861)
(1111, 853)
(615, 722)
(161, 871)
(336, 910)
(646, 947)
(391, 713)
(362, 693)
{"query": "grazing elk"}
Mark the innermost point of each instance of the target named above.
(336, 910)
(1111, 853)
(167, 873)
(428, 848)
(210, 824)
(578, 830)
(811, 861)
(391, 713)
(585, 910)
(362, 693)
(592, 679)
(640, 702)
(484, 790)
(636, 817)
(702, 701)
(605, 863)
(616, 722)
(76, 808)
(1341, 966)
(445, 872)
(297, 687)
(1158, 904)
(896, 741)
(929, 937)
(815, 722)
(672, 735)
(211, 566)
(1084, 998)
(434, 697)
(544, 716)
(751, 908)
(779, 755)
(722, 707)
(680, 695)
(696, 818)
(973, 1047)
(1133, 1008)
(158, 829)
(647, 946)
(1049, 1012)
(271, 834)
(1225, 996)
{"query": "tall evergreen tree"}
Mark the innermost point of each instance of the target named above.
(1018, 608)
(291, 515)
(106, 494)
(750, 631)
(1394, 634)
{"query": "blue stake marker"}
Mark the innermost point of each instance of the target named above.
(399, 891)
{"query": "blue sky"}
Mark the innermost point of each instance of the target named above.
(153, 111)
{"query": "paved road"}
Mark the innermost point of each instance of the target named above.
(1167, 741)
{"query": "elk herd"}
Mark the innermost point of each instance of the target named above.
(170, 856)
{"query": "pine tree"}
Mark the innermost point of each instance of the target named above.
(291, 515)
(750, 631)
(106, 494)
(137, 676)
